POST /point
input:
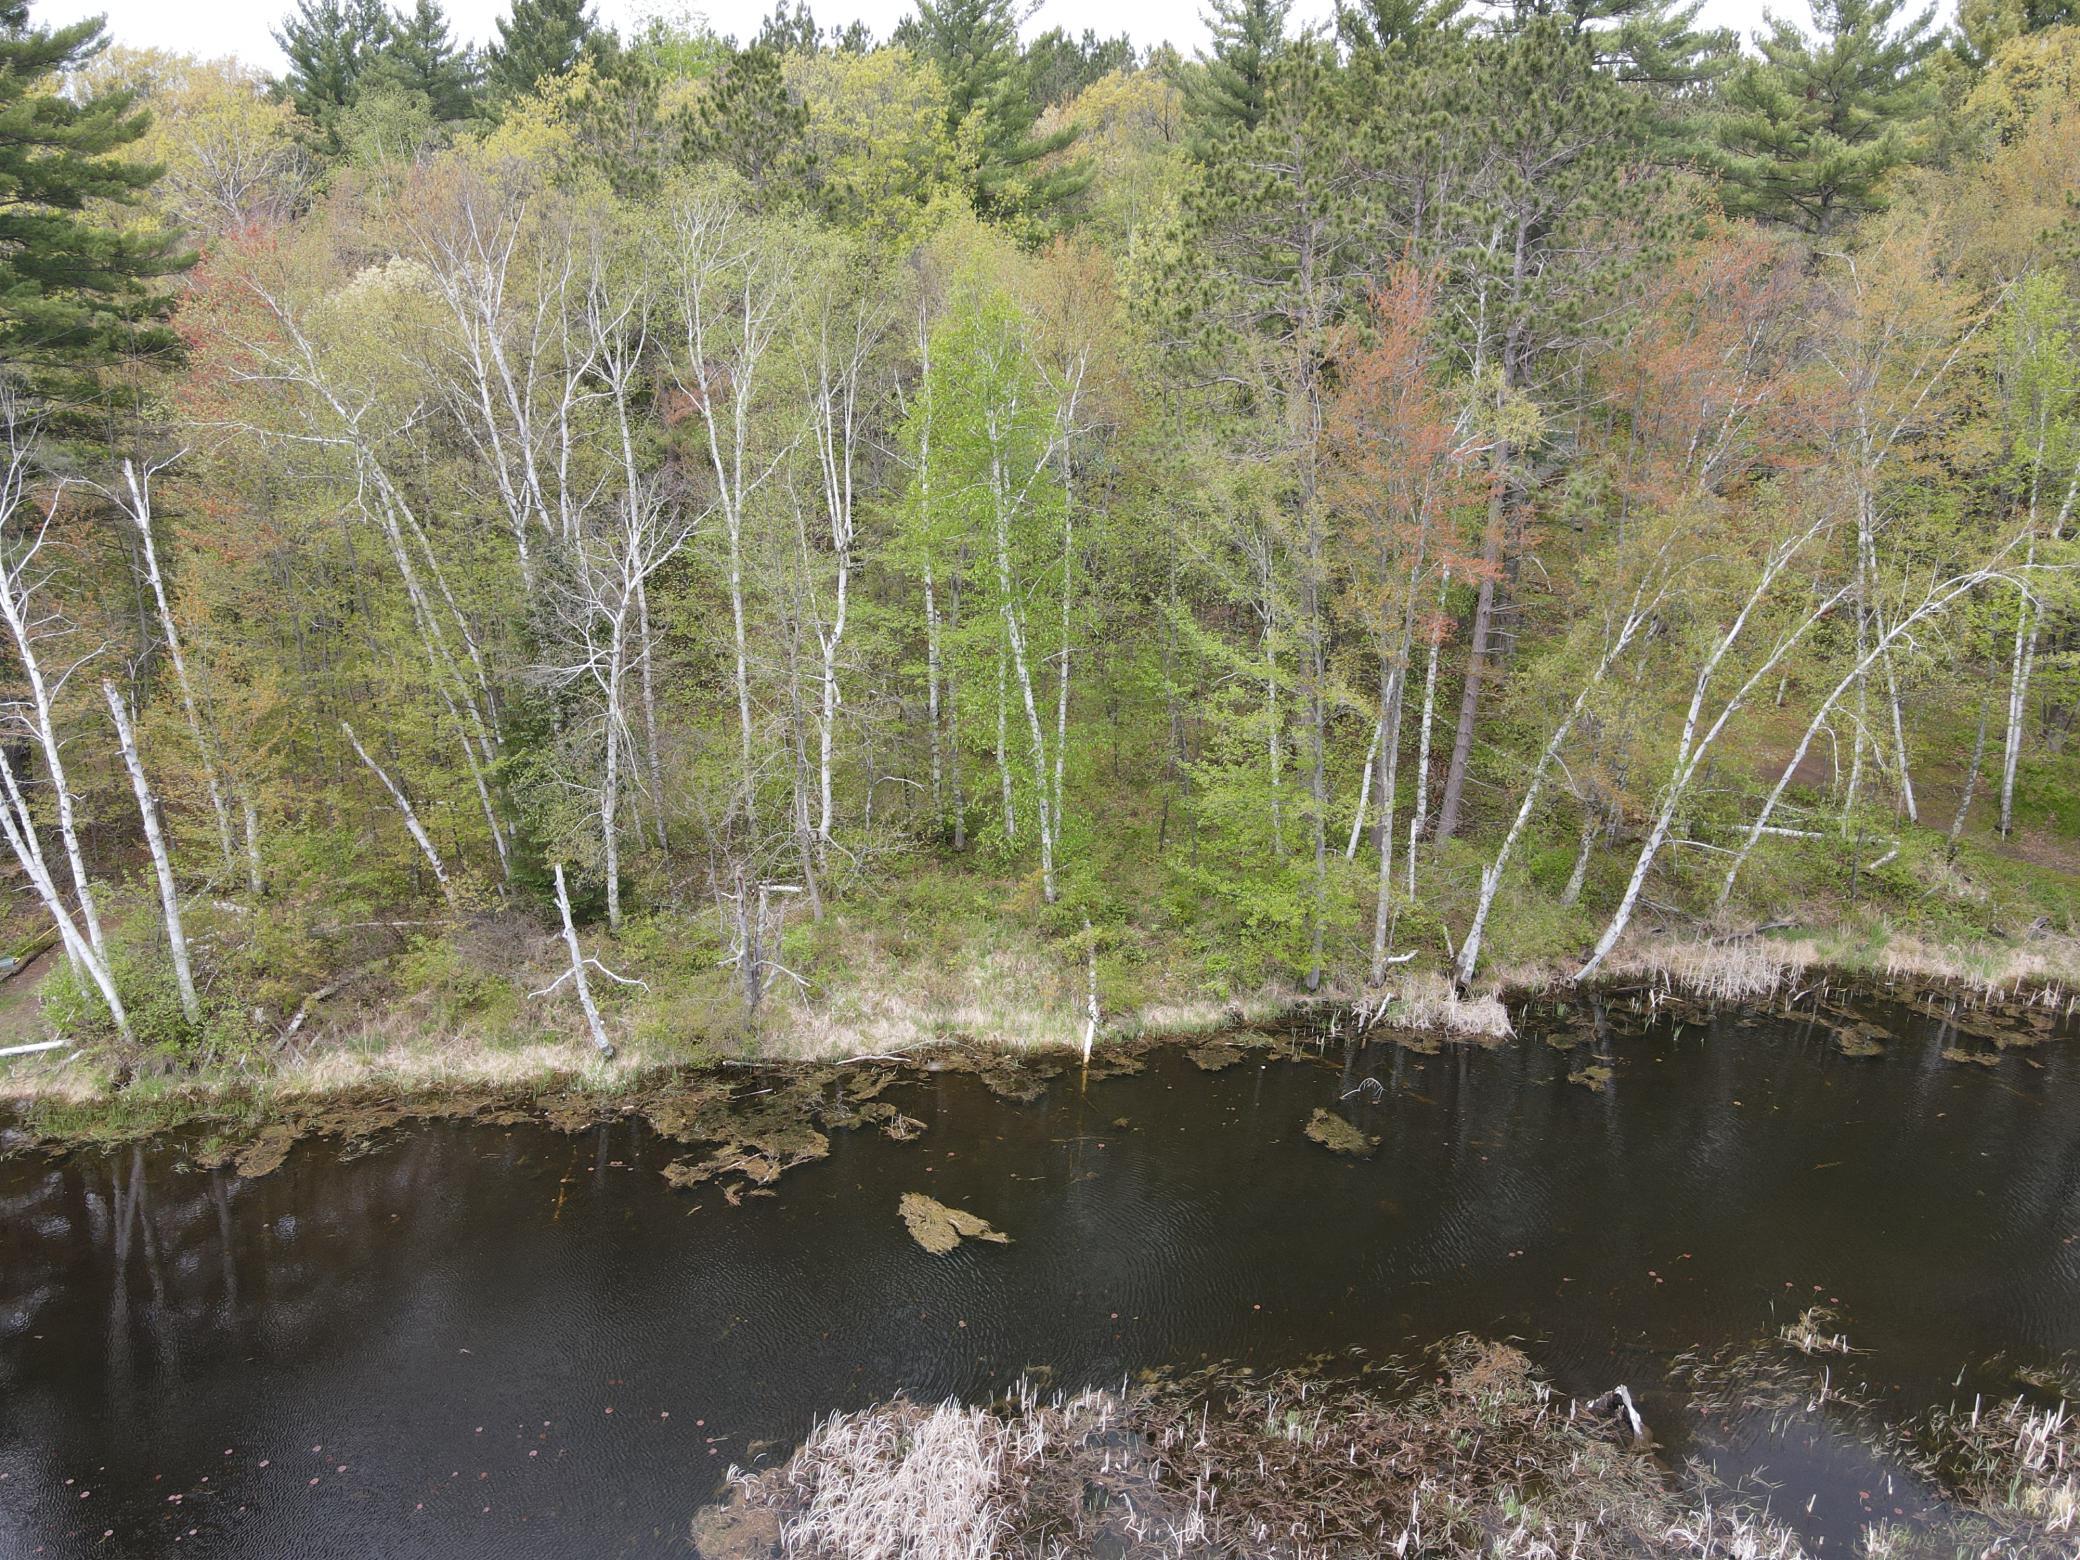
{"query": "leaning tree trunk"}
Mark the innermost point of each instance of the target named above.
(577, 970)
(411, 818)
(155, 840)
(19, 826)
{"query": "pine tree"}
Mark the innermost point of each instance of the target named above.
(77, 281)
(331, 45)
(420, 57)
(1059, 66)
(1227, 93)
(1379, 25)
(750, 121)
(1651, 43)
(1810, 130)
(974, 43)
(790, 29)
(537, 40)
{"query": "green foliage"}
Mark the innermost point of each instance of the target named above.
(1229, 91)
(456, 987)
(73, 1007)
(1810, 131)
(420, 58)
(538, 40)
(331, 46)
(1017, 176)
(81, 286)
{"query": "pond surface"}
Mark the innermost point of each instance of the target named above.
(464, 1340)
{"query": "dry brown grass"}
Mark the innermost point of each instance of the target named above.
(1487, 1461)
(2017, 1463)
(1756, 968)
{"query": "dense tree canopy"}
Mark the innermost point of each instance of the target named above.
(1438, 485)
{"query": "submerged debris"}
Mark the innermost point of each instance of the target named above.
(892, 1122)
(761, 1165)
(1473, 1454)
(1858, 1040)
(1338, 1135)
(1214, 1055)
(939, 1228)
(262, 1156)
(1816, 1331)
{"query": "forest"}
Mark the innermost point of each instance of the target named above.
(694, 547)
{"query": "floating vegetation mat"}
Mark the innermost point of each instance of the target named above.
(1470, 1454)
(939, 1228)
(1338, 1135)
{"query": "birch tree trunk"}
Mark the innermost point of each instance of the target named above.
(645, 645)
(139, 511)
(1422, 787)
(1936, 601)
(2018, 696)
(1642, 608)
(1691, 750)
(21, 611)
(577, 971)
(19, 825)
(155, 841)
(411, 818)
(1971, 780)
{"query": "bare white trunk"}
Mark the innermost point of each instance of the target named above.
(1936, 601)
(19, 825)
(139, 509)
(2018, 697)
(610, 781)
(18, 607)
(256, 879)
(1003, 754)
(1573, 891)
(155, 841)
(651, 752)
(1350, 849)
(1422, 786)
(577, 970)
(411, 818)
(1642, 608)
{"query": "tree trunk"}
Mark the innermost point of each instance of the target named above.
(139, 510)
(584, 987)
(19, 825)
(155, 841)
(1476, 649)
(650, 746)
(411, 818)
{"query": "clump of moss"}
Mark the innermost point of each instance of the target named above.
(1338, 1135)
(939, 1228)
(1214, 1056)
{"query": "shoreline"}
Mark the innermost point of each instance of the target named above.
(60, 1100)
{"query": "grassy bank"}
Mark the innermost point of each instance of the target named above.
(447, 1016)
(305, 1008)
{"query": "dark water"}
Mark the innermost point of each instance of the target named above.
(474, 1341)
